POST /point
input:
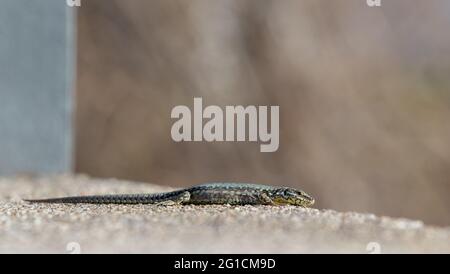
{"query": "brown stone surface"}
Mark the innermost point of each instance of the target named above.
(54, 228)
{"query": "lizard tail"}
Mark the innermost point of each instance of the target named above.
(110, 199)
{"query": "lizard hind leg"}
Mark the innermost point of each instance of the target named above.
(180, 199)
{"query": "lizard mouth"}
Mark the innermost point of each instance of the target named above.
(303, 201)
(311, 201)
(308, 200)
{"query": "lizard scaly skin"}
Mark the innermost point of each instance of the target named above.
(211, 193)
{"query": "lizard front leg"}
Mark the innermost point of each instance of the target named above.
(265, 199)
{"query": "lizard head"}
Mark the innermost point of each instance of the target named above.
(291, 196)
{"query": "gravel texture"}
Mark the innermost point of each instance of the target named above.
(54, 228)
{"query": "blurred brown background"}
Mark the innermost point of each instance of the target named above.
(364, 96)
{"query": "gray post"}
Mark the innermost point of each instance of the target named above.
(36, 86)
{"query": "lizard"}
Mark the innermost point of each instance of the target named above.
(204, 194)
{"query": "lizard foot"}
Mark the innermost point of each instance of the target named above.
(180, 199)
